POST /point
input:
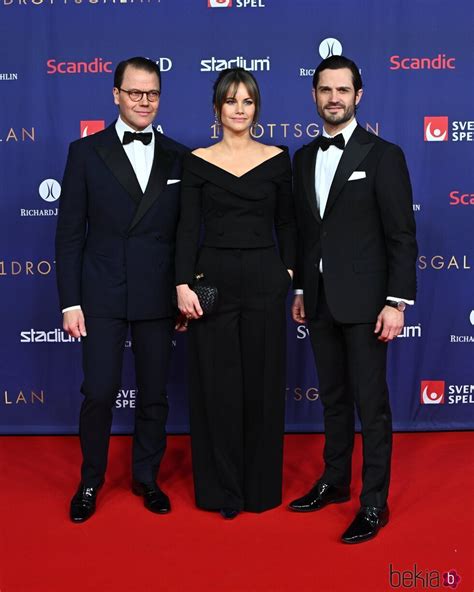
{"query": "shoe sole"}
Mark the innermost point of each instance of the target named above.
(337, 501)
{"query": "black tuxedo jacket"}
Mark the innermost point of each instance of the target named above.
(114, 243)
(366, 238)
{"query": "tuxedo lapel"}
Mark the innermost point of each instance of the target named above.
(162, 162)
(356, 150)
(112, 153)
(309, 165)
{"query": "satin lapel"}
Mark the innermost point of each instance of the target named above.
(309, 166)
(112, 153)
(162, 161)
(356, 150)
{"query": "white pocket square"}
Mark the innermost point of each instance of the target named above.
(357, 175)
(171, 181)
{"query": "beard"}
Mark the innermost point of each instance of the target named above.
(343, 116)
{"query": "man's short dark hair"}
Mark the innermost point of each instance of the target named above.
(139, 63)
(337, 63)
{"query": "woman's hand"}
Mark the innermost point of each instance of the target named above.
(188, 302)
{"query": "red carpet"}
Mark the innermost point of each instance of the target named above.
(124, 548)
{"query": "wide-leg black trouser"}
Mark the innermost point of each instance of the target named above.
(351, 364)
(102, 358)
(237, 381)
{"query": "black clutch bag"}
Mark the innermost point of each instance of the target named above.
(208, 295)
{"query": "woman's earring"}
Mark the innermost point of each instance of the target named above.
(217, 123)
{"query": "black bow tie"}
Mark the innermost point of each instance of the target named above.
(141, 137)
(337, 141)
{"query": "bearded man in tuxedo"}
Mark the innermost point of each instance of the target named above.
(114, 256)
(356, 273)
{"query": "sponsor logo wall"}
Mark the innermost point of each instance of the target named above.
(417, 94)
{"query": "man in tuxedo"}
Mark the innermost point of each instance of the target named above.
(114, 258)
(356, 273)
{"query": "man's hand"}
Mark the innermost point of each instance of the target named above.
(74, 324)
(389, 323)
(297, 309)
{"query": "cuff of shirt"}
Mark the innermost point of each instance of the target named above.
(76, 307)
(298, 292)
(395, 299)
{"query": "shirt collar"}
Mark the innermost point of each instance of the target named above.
(346, 132)
(121, 127)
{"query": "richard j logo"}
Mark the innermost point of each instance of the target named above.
(436, 129)
(50, 190)
(432, 392)
(88, 128)
(330, 47)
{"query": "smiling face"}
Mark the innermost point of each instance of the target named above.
(238, 110)
(141, 114)
(336, 98)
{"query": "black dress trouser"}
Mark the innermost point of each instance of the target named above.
(237, 381)
(351, 364)
(103, 351)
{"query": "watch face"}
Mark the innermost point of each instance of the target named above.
(401, 306)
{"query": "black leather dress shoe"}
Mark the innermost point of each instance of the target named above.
(320, 496)
(83, 502)
(229, 513)
(366, 524)
(155, 500)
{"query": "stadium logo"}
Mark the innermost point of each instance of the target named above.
(53, 336)
(330, 47)
(95, 66)
(440, 62)
(50, 190)
(432, 392)
(252, 65)
(88, 128)
(436, 129)
(456, 198)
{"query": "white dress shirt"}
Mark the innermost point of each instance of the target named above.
(141, 159)
(139, 155)
(327, 162)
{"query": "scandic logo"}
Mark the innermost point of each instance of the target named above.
(95, 66)
(436, 129)
(90, 127)
(432, 392)
(219, 3)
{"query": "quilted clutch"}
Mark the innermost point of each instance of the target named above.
(208, 295)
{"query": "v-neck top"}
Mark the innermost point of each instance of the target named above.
(235, 212)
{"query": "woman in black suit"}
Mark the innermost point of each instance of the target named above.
(240, 190)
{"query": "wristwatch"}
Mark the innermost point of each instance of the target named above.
(398, 305)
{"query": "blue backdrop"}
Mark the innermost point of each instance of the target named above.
(56, 64)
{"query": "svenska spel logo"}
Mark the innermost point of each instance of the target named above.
(219, 3)
(88, 128)
(432, 392)
(436, 129)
